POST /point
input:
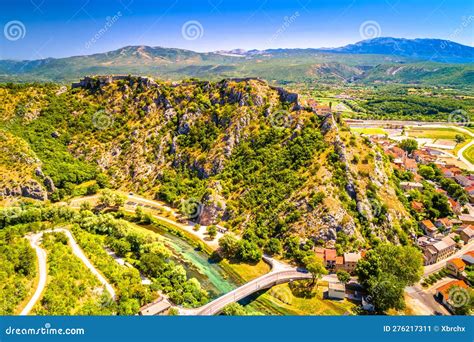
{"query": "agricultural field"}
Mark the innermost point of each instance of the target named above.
(369, 130)
(434, 133)
(469, 154)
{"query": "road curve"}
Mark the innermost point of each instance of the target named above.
(41, 254)
(189, 227)
(43, 273)
(460, 155)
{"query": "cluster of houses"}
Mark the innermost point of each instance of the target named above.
(439, 242)
(318, 108)
(347, 262)
(334, 263)
(443, 235)
(457, 268)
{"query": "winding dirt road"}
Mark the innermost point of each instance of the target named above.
(35, 240)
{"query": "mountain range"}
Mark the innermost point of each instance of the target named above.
(381, 60)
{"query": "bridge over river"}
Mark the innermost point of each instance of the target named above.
(279, 274)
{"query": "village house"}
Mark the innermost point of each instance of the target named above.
(456, 267)
(455, 206)
(428, 227)
(155, 308)
(444, 224)
(468, 257)
(410, 165)
(328, 255)
(463, 180)
(350, 261)
(470, 192)
(443, 292)
(396, 152)
(439, 250)
(466, 219)
(417, 206)
(407, 186)
(336, 291)
(466, 234)
(423, 157)
(450, 171)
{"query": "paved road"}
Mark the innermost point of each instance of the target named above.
(426, 301)
(201, 234)
(461, 151)
(35, 240)
(43, 272)
(459, 127)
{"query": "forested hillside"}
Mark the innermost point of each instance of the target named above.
(238, 152)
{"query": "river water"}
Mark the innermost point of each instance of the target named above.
(211, 275)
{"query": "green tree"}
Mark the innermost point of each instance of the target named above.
(229, 245)
(249, 251)
(460, 138)
(426, 172)
(234, 309)
(315, 266)
(273, 246)
(386, 270)
(409, 145)
(211, 231)
(343, 276)
(386, 292)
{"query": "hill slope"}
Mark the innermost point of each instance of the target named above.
(237, 152)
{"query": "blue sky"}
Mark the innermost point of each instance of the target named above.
(54, 28)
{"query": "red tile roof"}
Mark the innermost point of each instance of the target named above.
(458, 262)
(453, 203)
(330, 254)
(428, 224)
(418, 206)
(410, 163)
(445, 288)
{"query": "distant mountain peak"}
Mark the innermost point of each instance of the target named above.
(439, 50)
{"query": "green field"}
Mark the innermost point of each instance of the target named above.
(369, 131)
(469, 154)
(282, 300)
(434, 133)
